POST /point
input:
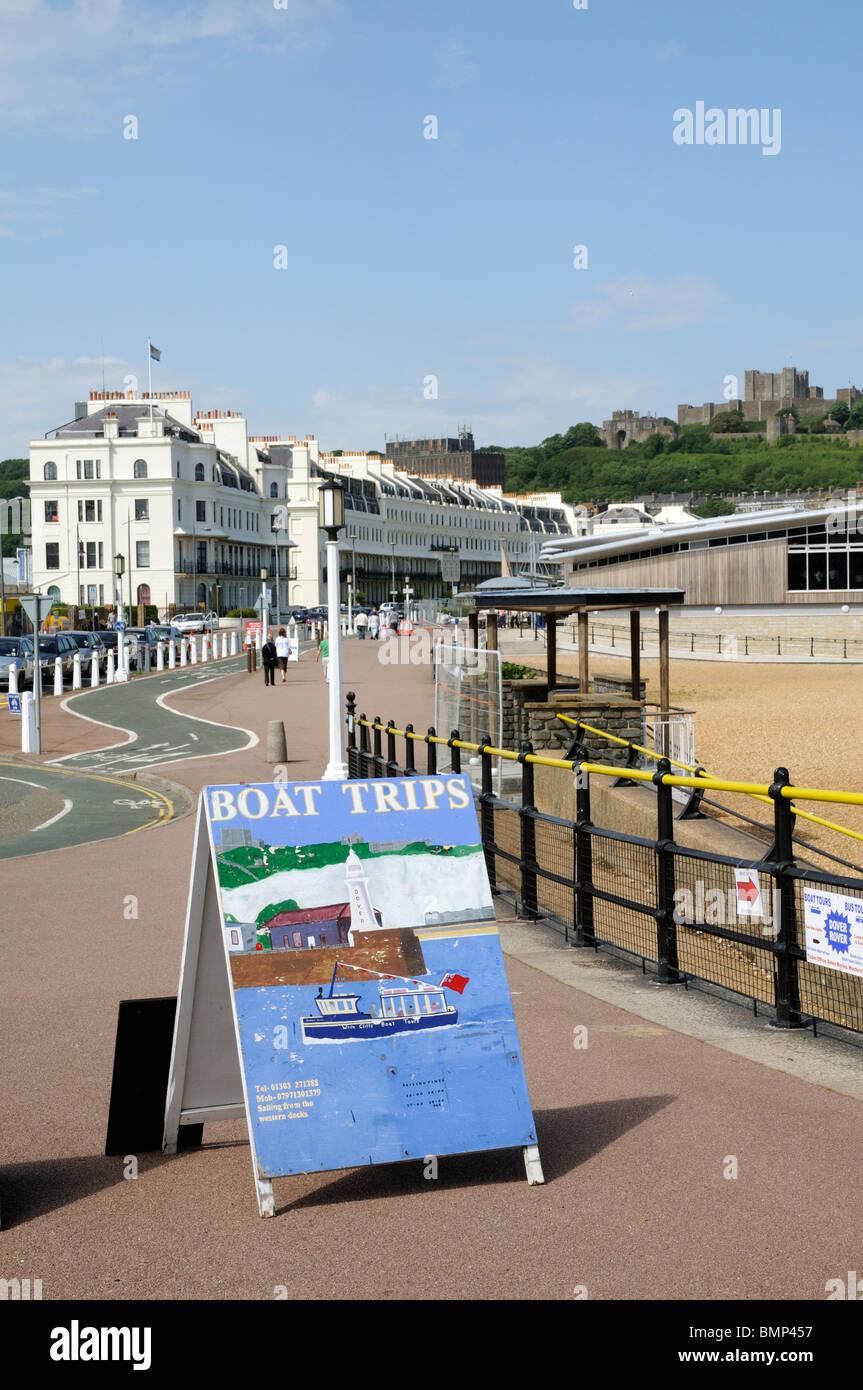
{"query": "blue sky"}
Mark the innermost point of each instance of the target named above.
(407, 257)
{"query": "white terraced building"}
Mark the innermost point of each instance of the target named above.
(197, 508)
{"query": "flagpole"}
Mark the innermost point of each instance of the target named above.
(150, 378)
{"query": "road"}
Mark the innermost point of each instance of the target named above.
(71, 808)
(149, 732)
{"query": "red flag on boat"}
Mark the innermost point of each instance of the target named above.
(456, 982)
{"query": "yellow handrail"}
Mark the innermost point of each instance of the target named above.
(650, 753)
(707, 783)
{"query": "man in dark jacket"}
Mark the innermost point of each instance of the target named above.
(269, 659)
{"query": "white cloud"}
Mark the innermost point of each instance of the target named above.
(38, 395)
(30, 207)
(638, 303)
(529, 399)
(40, 85)
(455, 68)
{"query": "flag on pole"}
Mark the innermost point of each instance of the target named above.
(154, 352)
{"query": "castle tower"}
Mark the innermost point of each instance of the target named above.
(362, 912)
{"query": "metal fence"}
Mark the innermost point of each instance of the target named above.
(670, 906)
(731, 645)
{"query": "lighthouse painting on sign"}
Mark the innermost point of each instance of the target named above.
(372, 1009)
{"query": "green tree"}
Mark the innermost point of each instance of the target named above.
(839, 412)
(726, 421)
(714, 506)
(653, 445)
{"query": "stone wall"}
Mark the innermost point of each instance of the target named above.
(528, 715)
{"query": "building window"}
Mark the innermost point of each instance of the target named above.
(179, 510)
(201, 511)
(142, 509)
(142, 555)
(139, 468)
(49, 472)
(202, 557)
(52, 555)
(177, 466)
(91, 555)
(199, 472)
(274, 489)
(51, 511)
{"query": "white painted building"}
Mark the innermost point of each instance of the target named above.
(197, 507)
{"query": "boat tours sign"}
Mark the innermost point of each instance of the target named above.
(343, 983)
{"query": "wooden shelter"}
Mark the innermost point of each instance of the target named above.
(556, 602)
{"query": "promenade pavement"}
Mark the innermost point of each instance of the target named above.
(635, 1131)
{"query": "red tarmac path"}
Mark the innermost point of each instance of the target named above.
(634, 1131)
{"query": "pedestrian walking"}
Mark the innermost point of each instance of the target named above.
(324, 656)
(283, 651)
(361, 622)
(374, 624)
(269, 657)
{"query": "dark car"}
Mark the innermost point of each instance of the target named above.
(87, 643)
(60, 645)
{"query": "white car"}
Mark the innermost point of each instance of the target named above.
(195, 622)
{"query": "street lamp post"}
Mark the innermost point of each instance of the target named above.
(122, 671)
(408, 592)
(265, 612)
(331, 518)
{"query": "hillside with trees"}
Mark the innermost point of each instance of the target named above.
(730, 456)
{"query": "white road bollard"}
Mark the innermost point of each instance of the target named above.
(109, 674)
(193, 648)
(160, 655)
(234, 644)
(28, 723)
(13, 680)
(224, 645)
(58, 675)
(76, 674)
(205, 647)
(172, 656)
(94, 669)
(183, 652)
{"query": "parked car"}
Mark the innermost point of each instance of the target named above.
(196, 622)
(18, 652)
(52, 645)
(298, 615)
(89, 642)
(130, 646)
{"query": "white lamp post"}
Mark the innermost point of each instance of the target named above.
(265, 611)
(331, 518)
(122, 671)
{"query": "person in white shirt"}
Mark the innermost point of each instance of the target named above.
(360, 623)
(283, 651)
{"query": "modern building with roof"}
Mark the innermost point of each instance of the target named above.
(758, 559)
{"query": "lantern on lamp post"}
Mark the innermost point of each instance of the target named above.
(122, 671)
(331, 519)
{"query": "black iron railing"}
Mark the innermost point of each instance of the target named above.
(672, 906)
